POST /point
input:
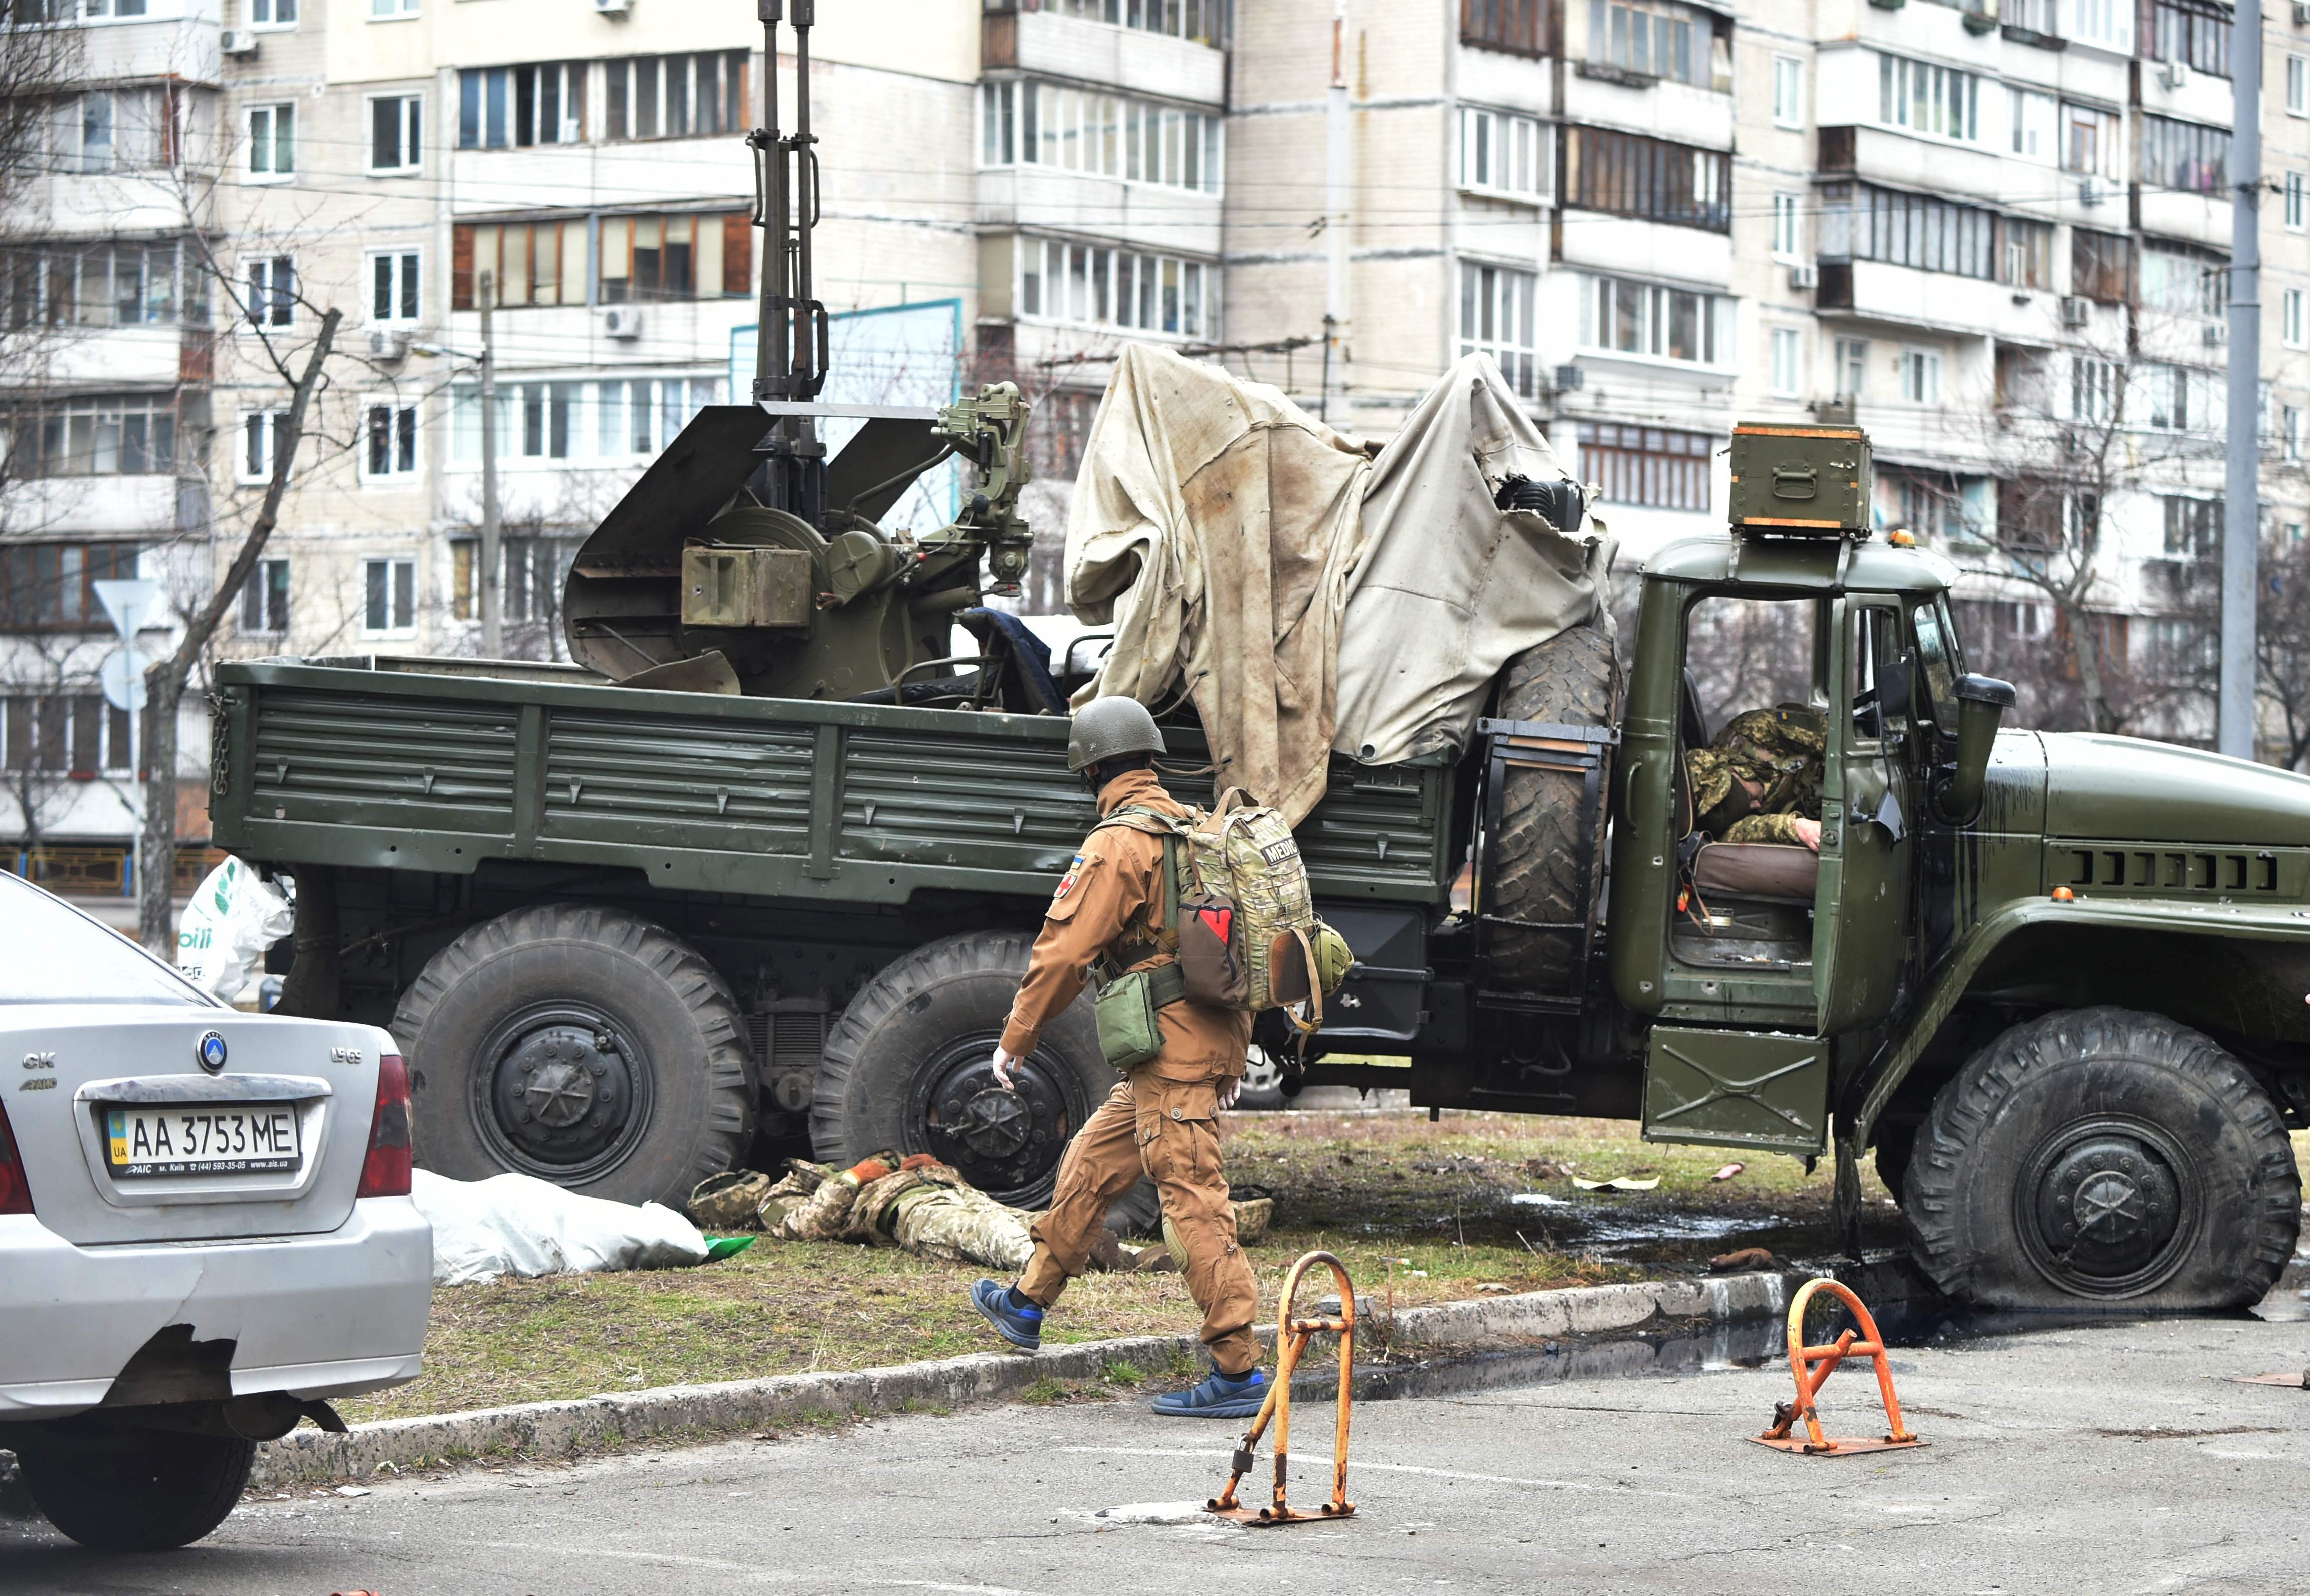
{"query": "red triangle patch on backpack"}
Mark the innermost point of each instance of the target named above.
(1221, 921)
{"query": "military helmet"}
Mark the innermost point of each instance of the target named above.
(1106, 728)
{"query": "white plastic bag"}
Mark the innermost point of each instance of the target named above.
(519, 1224)
(233, 917)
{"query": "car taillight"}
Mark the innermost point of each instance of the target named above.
(385, 1173)
(15, 1192)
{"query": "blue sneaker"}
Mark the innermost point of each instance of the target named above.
(1223, 1396)
(1015, 1319)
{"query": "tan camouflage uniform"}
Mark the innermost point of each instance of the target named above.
(1759, 774)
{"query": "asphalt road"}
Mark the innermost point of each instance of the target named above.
(2106, 1459)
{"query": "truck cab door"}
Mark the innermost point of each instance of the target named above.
(1869, 812)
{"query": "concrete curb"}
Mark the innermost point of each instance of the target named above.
(676, 1413)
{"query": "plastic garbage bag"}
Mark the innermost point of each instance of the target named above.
(233, 917)
(519, 1224)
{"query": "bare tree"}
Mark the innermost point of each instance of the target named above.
(2282, 642)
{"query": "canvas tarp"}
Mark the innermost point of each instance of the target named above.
(1449, 586)
(1302, 594)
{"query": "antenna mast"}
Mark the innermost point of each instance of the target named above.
(791, 338)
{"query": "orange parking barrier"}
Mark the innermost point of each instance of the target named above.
(1815, 1443)
(1292, 1336)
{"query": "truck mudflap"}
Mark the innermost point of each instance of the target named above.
(1764, 1090)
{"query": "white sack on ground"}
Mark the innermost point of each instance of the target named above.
(232, 918)
(519, 1224)
(1450, 586)
(1214, 523)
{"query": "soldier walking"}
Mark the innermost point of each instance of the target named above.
(1159, 1119)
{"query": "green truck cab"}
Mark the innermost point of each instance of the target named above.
(2056, 982)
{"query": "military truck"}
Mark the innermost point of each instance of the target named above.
(2056, 982)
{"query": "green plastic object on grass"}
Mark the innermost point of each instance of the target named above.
(718, 1247)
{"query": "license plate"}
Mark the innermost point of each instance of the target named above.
(247, 1139)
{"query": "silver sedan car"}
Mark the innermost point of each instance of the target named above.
(205, 1229)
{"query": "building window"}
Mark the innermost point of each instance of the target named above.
(2298, 85)
(2108, 23)
(1785, 244)
(1940, 507)
(1788, 361)
(2195, 33)
(1862, 223)
(669, 258)
(2297, 202)
(503, 107)
(385, 10)
(68, 735)
(272, 142)
(133, 435)
(1788, 92)
(393, 287)
(2090, 146)
(1921, 376)
(1083, 282)
(1077, 131)
(2031, 118)
(1504, 154)
(1620, 316)
(2025, 253)
(1852, 372)
(1055, 435)
(2295, 319)
(101, 285)
(1628, 174)
(1497, 24)
(121, 130)
(388, 595)
(2193, 527)
(1198, 20)
(396, 125)
(2184, 284)
(1649, 466)
(1496, 319)
(674, 97)
(2096, 389)
(2178, 397)
(535, 570)
(2186, 156)
(261, 438)
(1923, 98)
(272, 13)
(2101, 265)
(389, 440)
(272, 291)
(549, 421)
(1651, 40)
(264, 600)
(52, 587)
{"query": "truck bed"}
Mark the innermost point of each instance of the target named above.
(436, 766)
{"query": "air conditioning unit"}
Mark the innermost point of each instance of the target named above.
(388, 344)
(2216, 333)
(1569, 378)
(237, 41)
(2173, 74)
(622, 322)
(2076, 310)
(613, 8)
(2090, 193)
(1804, 275)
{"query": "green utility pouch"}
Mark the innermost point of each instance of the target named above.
(1126, 1009)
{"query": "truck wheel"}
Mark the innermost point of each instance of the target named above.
(583, 1046)
(908, 1067)
(1537, 860)
(161, 1490)
(2099, 1155)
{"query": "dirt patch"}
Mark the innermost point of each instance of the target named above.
(1420, 1212)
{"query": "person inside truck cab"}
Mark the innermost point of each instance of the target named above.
(1759, 779)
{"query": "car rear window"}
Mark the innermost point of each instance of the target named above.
(53, 954)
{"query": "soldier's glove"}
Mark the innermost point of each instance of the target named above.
(1229, 1090)
(1004, 1064)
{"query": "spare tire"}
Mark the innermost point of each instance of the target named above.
(1532, 895)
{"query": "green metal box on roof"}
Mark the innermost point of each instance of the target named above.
(1800, 482)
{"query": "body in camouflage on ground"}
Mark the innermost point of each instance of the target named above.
(1759, 774)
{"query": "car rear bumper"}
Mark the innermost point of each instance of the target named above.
(328, 1315)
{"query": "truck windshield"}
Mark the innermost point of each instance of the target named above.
(1937, 653)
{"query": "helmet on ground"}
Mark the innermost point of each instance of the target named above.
(1106, 728)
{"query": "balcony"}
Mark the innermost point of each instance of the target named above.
(1658, 107)
(1132, 59)
(73, 506)
(2199, 218)
(1942, 301)
(1083, 205)
(183, 48)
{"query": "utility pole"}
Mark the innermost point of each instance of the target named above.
(493, 612)
(1335, 216)
(2241, 496)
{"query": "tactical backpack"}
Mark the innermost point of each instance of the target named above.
(1237, 912)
